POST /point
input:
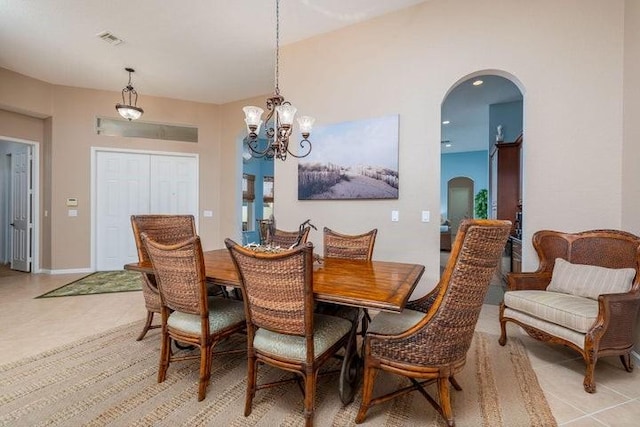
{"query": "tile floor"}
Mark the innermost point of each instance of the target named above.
(30, 326)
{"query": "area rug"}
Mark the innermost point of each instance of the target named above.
(101, 282)
(110, 379)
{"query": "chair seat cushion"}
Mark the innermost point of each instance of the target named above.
(394, 323)
(589, 280)
(569, 311)
(223, 313)
(327, 331)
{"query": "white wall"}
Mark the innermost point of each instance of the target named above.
(567, 59)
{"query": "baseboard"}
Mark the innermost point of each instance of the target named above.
(67, 271)
(636, 357)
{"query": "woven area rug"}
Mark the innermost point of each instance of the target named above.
(101, 282)
(110, 379)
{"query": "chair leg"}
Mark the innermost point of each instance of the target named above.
(503, 332)
(205, 359)
(589, 383)
(147, 326)
(252, 374)
(445, 401)
(454, 383)
(165, 355)
(367, 391)
(309, 397)
(627, 362)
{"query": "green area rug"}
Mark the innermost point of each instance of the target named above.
(101, 282)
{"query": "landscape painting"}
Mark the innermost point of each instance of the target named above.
(351, 160)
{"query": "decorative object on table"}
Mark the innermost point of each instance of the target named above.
(429, 340)
(356, 160)
(108, 378)
(101, 282)
(500, 134)
(583, 295)
(279, 121)
(282, 330)
(129, 110)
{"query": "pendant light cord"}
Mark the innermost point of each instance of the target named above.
(277, 45)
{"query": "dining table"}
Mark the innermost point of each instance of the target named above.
(376, 285)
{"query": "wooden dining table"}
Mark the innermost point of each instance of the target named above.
(377, 285)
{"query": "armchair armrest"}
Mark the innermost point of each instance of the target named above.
(528, 281)
(620, 310)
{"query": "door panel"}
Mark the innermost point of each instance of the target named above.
(121, 191)
(21, 209)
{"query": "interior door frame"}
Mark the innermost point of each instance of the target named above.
(35, 199)
(94, 183)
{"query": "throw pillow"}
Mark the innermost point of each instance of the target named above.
(589, 280)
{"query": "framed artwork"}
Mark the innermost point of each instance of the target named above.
(352, 160)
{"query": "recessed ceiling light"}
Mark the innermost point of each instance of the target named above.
(446, 122)
(478, 82)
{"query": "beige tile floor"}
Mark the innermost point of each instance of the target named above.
(30, 326)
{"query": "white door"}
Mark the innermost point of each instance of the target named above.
(137, 183)
(21, 208)
(122, 190)
(172, 185)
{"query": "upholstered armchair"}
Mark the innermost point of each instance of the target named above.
(585, 295)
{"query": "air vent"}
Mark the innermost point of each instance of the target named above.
(109, 38)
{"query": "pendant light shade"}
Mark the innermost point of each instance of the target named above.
(129, 110)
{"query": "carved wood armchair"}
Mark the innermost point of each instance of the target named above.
(585, 295)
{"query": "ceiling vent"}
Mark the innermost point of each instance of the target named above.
(109, 38)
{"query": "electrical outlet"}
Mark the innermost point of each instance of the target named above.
(395, 216)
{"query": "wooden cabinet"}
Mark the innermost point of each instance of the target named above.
(505, 182)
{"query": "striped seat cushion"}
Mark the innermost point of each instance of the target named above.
(569, 311)
(589, 280)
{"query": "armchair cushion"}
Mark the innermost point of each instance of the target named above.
(570, 311)
(589, 280)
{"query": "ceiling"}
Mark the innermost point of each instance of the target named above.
(213, 51)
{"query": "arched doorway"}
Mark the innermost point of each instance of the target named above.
(480, 111)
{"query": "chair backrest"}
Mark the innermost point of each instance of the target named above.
(180, 274)
(165, 229)
(445, 333)
(285, 239)
(354, 246)
(277, 287)
(603, 248)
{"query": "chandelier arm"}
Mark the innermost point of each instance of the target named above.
(252, 144)
(302, 144)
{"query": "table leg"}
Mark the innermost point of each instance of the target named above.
(351, 371)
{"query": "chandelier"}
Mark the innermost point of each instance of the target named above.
(279, 121)
(129, 111)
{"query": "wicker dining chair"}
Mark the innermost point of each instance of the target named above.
(165, 229)
(285, 239)
(428, 342)
(282, 330)
(349, 246)
(189, 315)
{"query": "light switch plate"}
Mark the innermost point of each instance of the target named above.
(395, 216)
(73, 212)
(426, 216)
